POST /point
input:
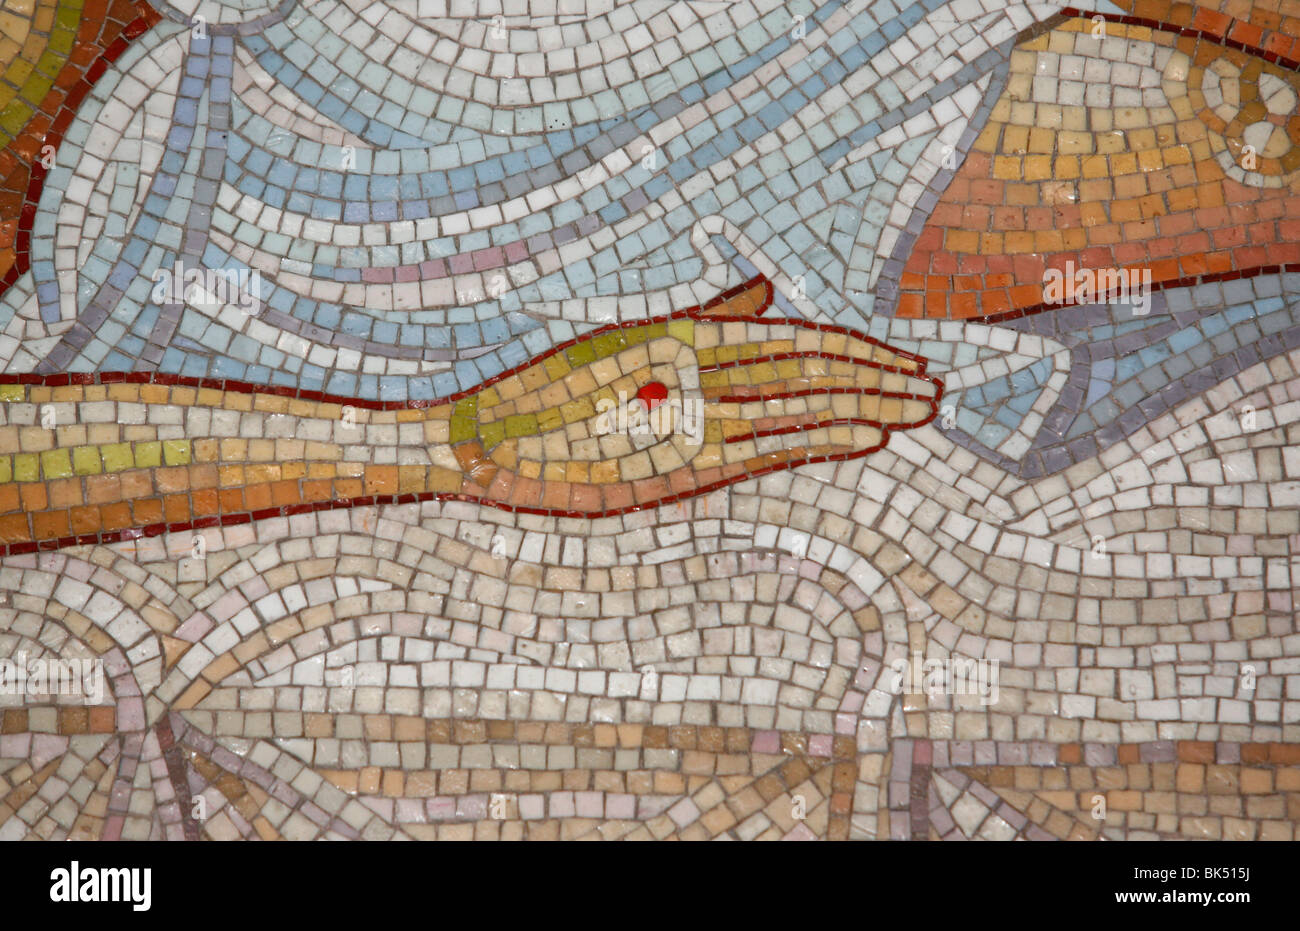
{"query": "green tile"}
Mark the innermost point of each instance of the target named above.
(521, 425)
(464, 420)
(637, 335)
(37, 86)
(14, 117)
(176, 452)
(581, 354)
(61, 41)
(683, 330)
(85, 460)
(492, 434)
(56, 463)
(67, 17)
(18, 71)
(148, 455)
(117, 457)
(549, 419)
(51, 63)
(608, 344)
(27, 468)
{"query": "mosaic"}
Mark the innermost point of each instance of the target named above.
(646, 419)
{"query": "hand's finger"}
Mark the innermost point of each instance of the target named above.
(794, 446)
(794, 378)
(807, 412)
(785, 374)
(742, 342)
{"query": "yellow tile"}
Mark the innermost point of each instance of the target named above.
(1015, 141)
(1007, 168)
(1042, 141)
(1038, 168)
(1075, 143)
(682, 330)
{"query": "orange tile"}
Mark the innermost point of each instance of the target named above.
(115, 516)
(84, 519)
(14, 528)
(49, 525)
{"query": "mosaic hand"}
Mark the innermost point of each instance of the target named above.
(637, 414)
